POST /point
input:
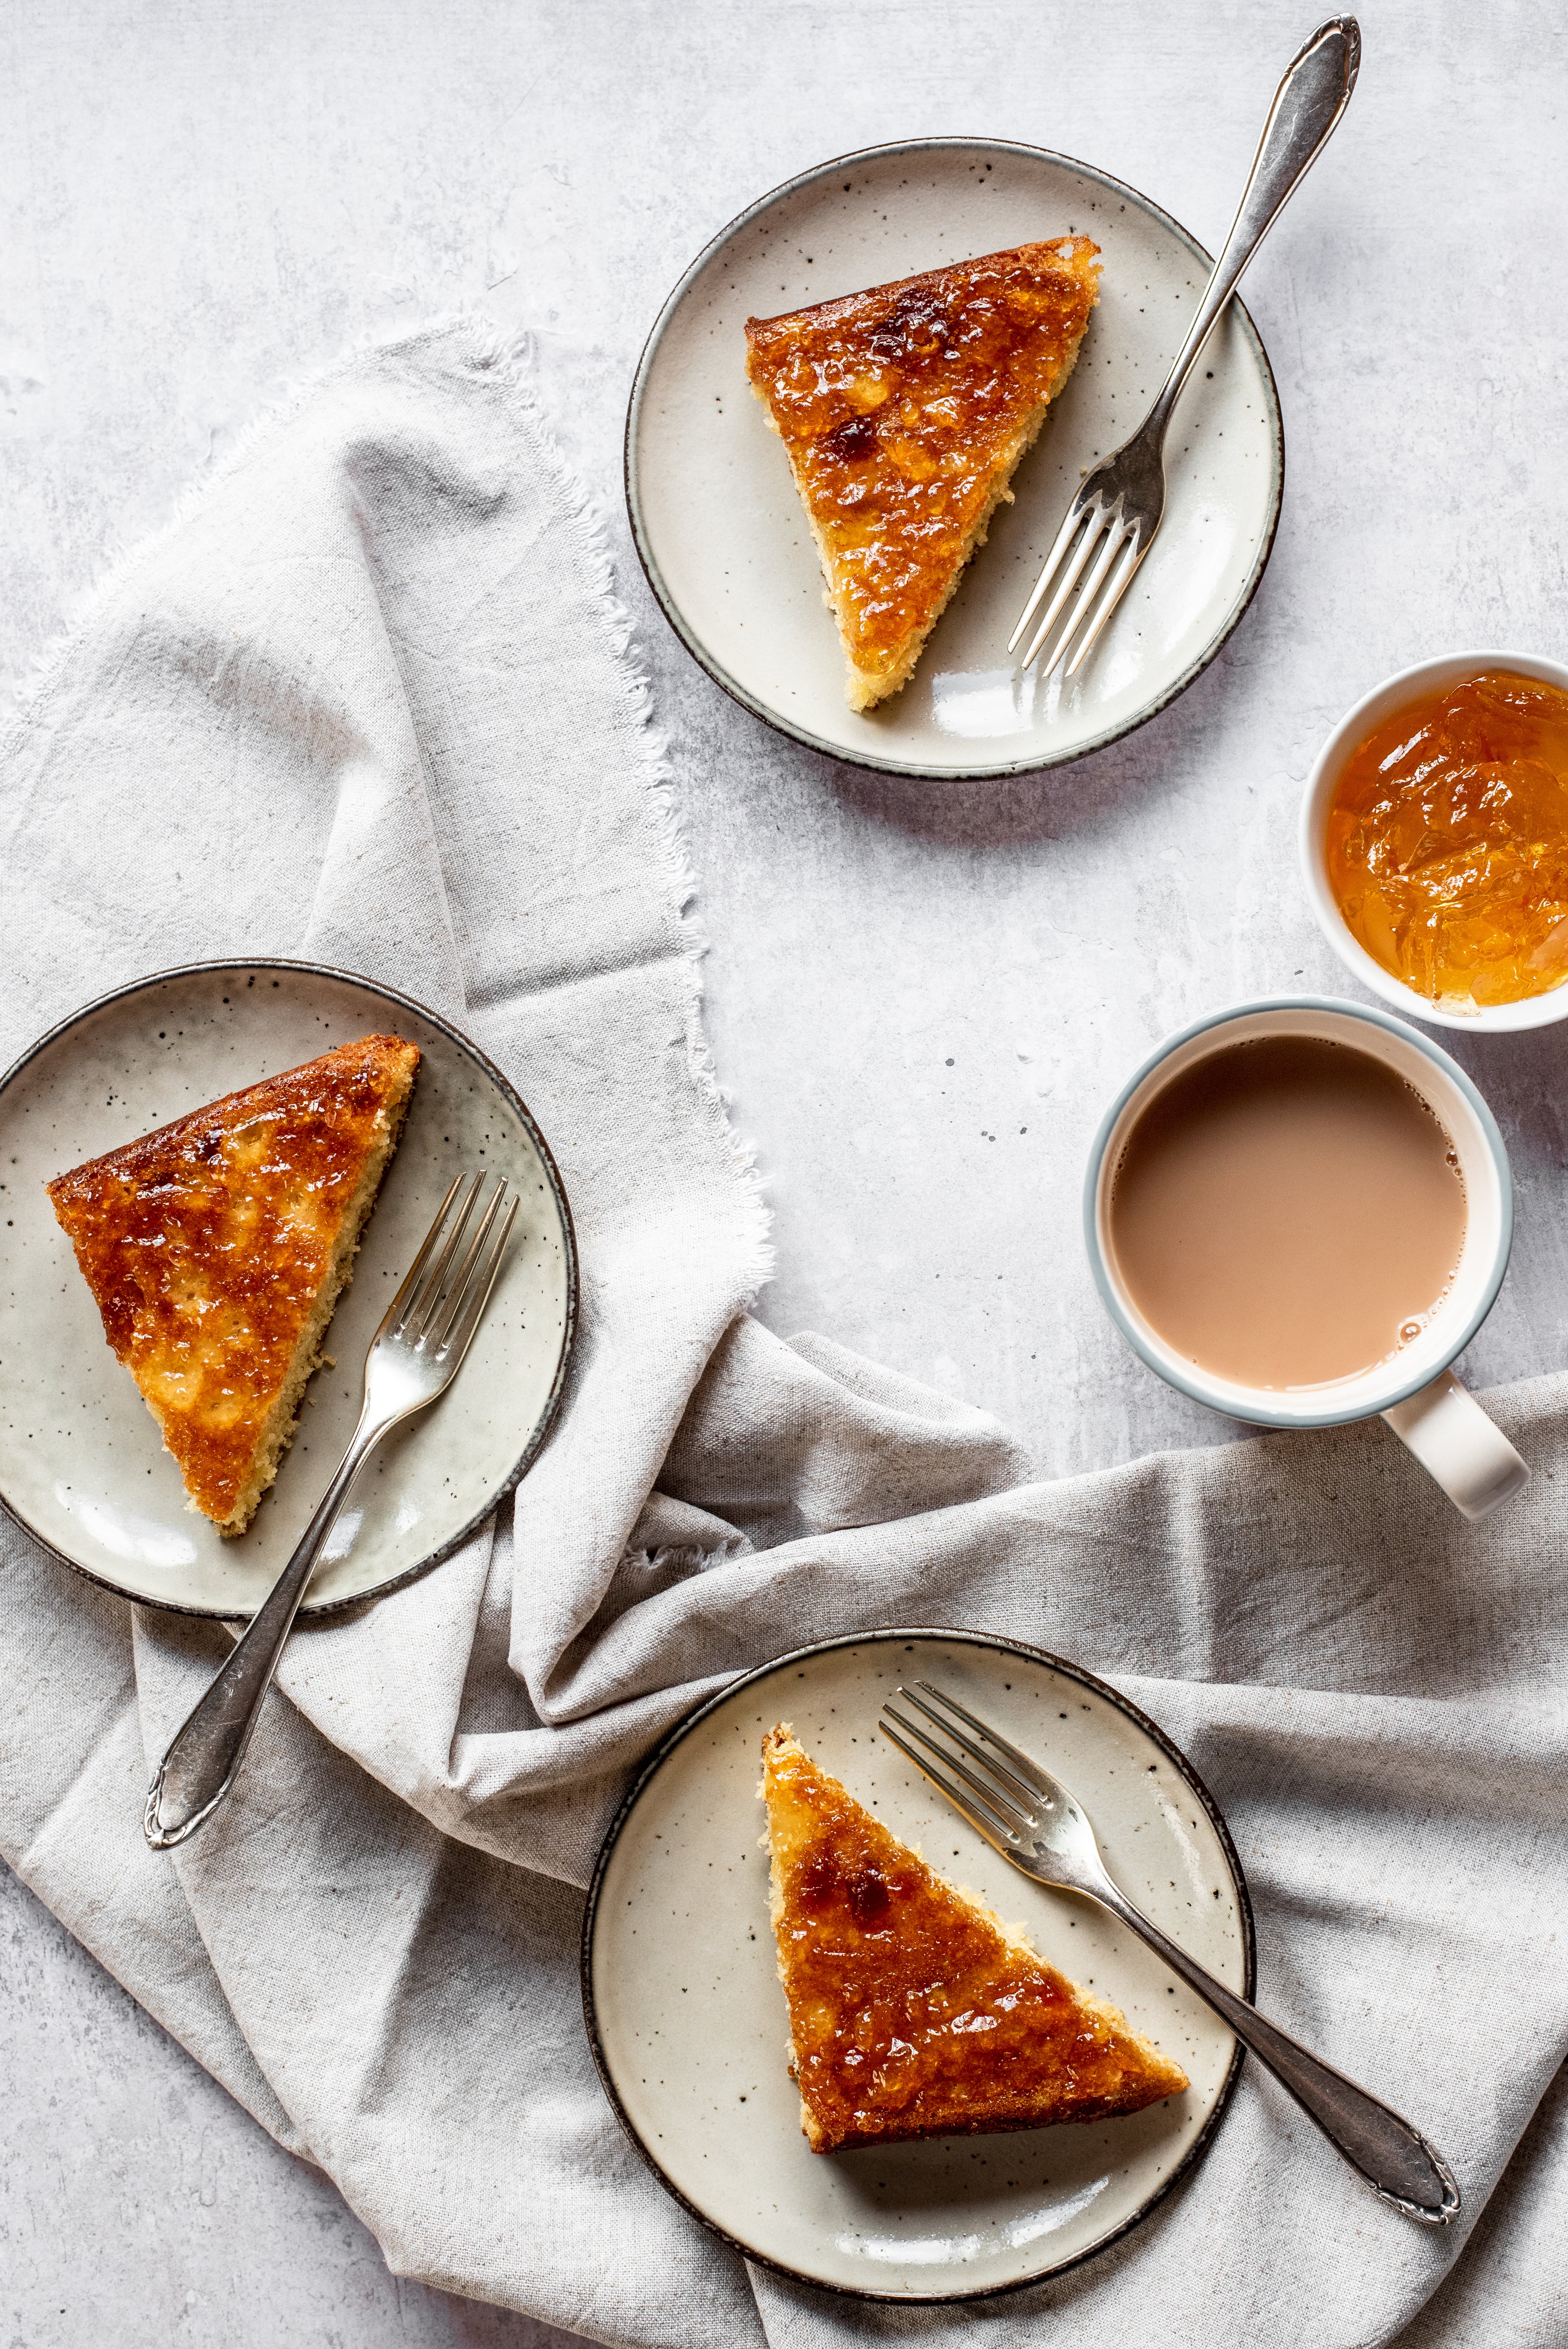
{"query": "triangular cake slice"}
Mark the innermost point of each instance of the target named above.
(915, 2011)
(904, 410)
(216, 1248)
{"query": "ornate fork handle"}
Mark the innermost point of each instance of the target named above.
(1033, 1820)
(1120, 506)
(1308, 104)
(1394, 2158)
(205, 1754)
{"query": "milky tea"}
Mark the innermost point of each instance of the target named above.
(1287, 1213)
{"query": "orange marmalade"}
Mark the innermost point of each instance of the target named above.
(1448, 842)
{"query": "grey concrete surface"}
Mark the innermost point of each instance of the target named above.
(139, 2205)
(919, 997)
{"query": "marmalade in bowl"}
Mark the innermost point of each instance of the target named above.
(1448, 842)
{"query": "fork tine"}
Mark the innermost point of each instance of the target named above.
(1076, 512)
(407, 1285)
(1085, 595)
(412, 1321)
(453, 1298)
(480, 1287)
(995, 1799)
(1101, 519)
(993, 1830)
(1108, 602)
(1097, 523)
(1029, 1772)
(998, 1769)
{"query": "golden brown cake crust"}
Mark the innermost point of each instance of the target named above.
(913, 2012)
(904, 409)
(207, 1244)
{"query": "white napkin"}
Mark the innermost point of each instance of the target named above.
(368, 701)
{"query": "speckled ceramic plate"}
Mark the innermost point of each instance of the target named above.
(83, 1467)
(724, 539)
(688, 2023)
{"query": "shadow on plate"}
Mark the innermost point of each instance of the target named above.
(1016, 811)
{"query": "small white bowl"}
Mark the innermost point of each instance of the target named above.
(1409, 685)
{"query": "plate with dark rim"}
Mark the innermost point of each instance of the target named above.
(725, 543)
(687, 2020)
(85, 1471)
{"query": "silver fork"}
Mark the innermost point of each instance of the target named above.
(415, 1354)
(1118, 507)
(1031, 1819)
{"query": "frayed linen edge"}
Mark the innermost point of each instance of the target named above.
(510, 359)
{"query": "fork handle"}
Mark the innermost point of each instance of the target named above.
(1393, 2157)
(205, 1753)
(1308, 104)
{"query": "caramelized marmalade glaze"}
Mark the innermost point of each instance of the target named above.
(901, 406)
(1448, 842)
(911, 2014)
(205, 1243)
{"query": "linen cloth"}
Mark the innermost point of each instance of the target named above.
(367, 702)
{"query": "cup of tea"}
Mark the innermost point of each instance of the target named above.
(1299, 1212)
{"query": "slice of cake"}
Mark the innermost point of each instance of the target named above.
(216, 1248)
(915, 2011)
(904, 410)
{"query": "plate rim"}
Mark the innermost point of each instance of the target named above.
(997, 1640)
(913, 769)
(320, 1609)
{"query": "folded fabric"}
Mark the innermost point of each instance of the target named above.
(367, 702)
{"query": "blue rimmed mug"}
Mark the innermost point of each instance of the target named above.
(1415, 1389)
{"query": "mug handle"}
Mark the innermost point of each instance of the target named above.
(1455, 1442)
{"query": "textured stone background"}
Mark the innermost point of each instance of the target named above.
(205, 199)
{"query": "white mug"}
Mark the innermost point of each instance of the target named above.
(1415, 1391)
